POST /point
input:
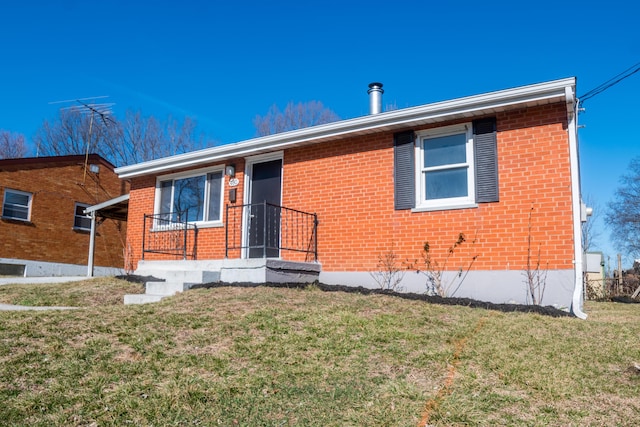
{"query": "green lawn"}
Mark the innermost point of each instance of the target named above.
(292, 357)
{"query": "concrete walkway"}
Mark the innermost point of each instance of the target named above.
(36, 280)
(10, 307)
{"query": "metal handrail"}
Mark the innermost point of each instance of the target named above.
(282, 229)
(161, 234)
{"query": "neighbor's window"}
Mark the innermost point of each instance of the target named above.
(16, 205)
(446, 167)
(194, 197)
(81, 221)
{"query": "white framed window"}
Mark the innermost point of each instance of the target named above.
(81, 221)
(194, 196)
(445, 166)
(16, 205)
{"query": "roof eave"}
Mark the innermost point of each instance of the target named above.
(489, 103)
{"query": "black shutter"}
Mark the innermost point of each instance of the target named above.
(486, 160)
(403, 170)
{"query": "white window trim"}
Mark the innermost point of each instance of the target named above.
(191, 174)
(75, 215)
(4, 200)
(449, 203)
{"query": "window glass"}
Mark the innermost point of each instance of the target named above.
(445, 150)
(16, 205)
(81, 220)
(188, 197)
(215, 191)
(166, 190)
(196, 196)
(444, 184)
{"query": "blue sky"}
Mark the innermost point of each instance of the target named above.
(222, 63)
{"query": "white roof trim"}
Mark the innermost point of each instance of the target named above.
(488, 103)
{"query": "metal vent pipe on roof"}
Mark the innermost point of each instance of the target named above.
(375, 97)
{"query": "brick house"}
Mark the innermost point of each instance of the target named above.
(43, 227)
(501, 168)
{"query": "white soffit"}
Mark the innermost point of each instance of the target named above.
(467, 107)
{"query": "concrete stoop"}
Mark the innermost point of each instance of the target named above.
(141, 298)
(176, 276)
(180, 276)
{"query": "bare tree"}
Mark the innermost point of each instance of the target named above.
(12, 145)
(70, 133)
(140, 138)
(294, 116)
(623, 213)
(134, 139)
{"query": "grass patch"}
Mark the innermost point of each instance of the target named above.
(98, 291)
(276, 357)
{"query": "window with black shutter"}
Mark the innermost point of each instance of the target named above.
(404, 170)
(456, 166)
(486, 158)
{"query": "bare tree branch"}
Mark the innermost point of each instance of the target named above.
(134, 139)
(623, 213)
(12, 145)
(294, 116)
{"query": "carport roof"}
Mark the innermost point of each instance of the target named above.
(116, 208)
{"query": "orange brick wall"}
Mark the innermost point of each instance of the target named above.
(49, 236)
(349, 184)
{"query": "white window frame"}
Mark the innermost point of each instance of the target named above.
(468, 201)
(191, 174)
(83, 216)
(23, 193)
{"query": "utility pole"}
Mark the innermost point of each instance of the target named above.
(619, 273)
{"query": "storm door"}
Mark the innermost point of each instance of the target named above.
(264, 211)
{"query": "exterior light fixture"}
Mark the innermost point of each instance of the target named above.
(230, 171)
(94, 168)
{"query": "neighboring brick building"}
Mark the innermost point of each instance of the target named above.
(43, 201)
(501, 168)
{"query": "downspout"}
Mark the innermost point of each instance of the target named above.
(572, 129)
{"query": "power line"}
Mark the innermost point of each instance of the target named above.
(611, 82)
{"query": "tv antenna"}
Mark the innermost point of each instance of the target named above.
(89, 106)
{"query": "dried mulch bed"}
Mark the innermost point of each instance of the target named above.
(433, 299)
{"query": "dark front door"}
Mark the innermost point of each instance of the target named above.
(264, 215)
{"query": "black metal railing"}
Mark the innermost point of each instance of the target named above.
(169, 234)
(270, 230)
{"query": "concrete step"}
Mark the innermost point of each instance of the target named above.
(142, 298)
(166, 288)
(205, 265)
(192, 276)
